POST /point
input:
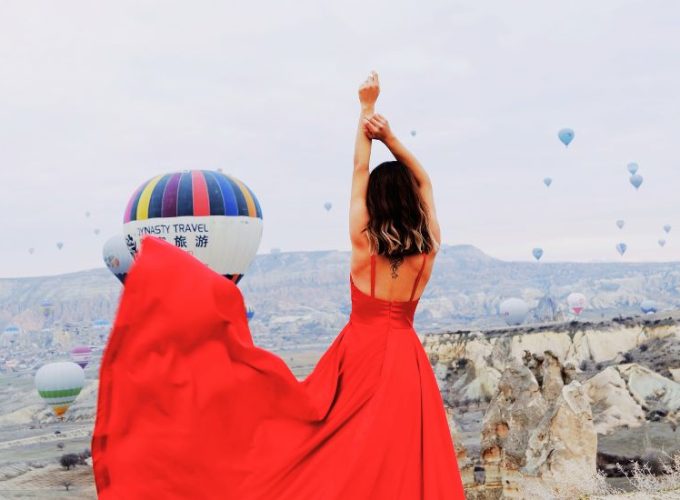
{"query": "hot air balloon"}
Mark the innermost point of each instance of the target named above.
(87, 214)
(96, 232)
(621, 248)
(11, 334)
(662, 242)
(47, 308)
(215, 217)
(31, 250)
(101, 323)
(81, 355)
(632, 168)
(566, 135)
(514, 311)
(117, 256)
(537, 253)
(547, 181)
(667, 228)
(328, 205)
(250, 313)
(59, 385)
(60, 245)
(648, 306)
(636, 180)
(577, 302)
(413, 133)
(620, 223)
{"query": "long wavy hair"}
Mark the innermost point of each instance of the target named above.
(398, 224)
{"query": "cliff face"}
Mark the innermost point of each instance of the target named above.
(534, 401)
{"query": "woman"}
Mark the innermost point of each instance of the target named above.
(189, 407)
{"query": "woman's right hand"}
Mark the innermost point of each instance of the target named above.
(369, 91)
(377, 127)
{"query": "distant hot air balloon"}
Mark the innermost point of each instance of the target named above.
(11, 334)
(636, 180)
(632, 168)
(648, 306)
(537, 253)
(47, 308)
(577, 302)
(667, 228)
(87, 214)
(81, 355)
(514, 311)
(59, 385)
(620, 223)
(621, 248)
(328, 205)
(60, 245)
(250, 313)
(547, 181)
(117, 256)
(566, 135)
(31, 250)
(214, 217)
(413, 133)
(101, 323)
(96, 232)
(662, 242)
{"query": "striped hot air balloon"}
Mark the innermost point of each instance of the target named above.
(81, 355)
(59, 385)
(213, 216)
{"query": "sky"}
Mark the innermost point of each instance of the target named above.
(98, 97)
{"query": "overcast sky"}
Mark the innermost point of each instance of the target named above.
(98, 97)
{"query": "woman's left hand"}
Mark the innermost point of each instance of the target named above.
(377, 127)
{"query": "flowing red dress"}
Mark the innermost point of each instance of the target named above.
(190, 408)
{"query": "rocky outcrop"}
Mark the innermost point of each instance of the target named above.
(539, 424)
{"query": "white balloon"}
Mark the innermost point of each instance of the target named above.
(514, 311)
(577, 302)
(59, 384)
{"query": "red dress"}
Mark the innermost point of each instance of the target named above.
(190, 408)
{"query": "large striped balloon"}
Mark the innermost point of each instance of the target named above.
(214, 217)
(59, 385)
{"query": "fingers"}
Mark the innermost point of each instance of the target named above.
(371, 127)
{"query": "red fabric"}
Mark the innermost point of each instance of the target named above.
(189, 408)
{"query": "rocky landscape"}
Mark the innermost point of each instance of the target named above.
(549, 402)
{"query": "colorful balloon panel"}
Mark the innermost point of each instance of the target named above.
(214, 217)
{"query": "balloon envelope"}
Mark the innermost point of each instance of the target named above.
(81, 355)
(577, 302)
(60, 245)
(537, 253)
(214, 217)
(621, 248)
(667, 228)
(636, 180)
(662, 242)
(59, 384)
(547, 181)
(250, 313)
(514, 311)
(117, 256)
(413, 133)
(566, 135)
(328, 205)
(620, 223)
(632, 167)
(31, 250)
(648, 306)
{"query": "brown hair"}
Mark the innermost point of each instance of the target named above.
(398, 224)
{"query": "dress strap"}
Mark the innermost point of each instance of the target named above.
(420, 273)
(372, 275)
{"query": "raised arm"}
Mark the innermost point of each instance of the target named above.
(358, 214)
(377, 127)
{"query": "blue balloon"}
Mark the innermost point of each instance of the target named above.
(547, 181)
(537, 253)
(250, 313)
(667, 228)
(566, 135)
(636, 180)
(632, 167)
(621, 248)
